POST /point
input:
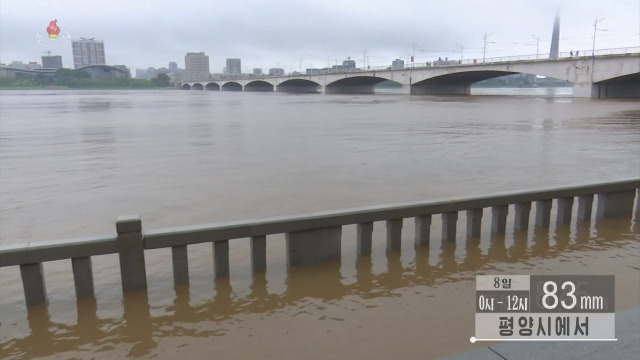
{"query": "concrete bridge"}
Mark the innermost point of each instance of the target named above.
(600, 76)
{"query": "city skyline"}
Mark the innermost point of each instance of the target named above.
(306, 34)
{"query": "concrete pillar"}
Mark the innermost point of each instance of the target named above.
(313, 246)
(35, 291)
(350, 89)
(441, 89)
(585, 204)
(259, 253)
(364, 232)
(619, 203)
(394, 234)
(585, 89)
(423, 230)
(565, 206)
(131, 252)
(221, 258)
(499, 219)
(449, 223)
(543, 213)
(474, 222)
(83, 276)
(521, 221)
(180, 262)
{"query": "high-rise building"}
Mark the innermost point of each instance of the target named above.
(196, 67)
(555, 38)
(397, 64)
(148, 73)
(349, 64)
(233, 66)
(87, 52)
(173, 65)
(52, 62)
(276, 72)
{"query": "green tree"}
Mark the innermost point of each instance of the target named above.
(43, 80)
(162, 80)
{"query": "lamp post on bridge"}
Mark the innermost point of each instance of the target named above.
(413, 55)
(364, 59)
(461, 52)
(595, 29)
(484, 48)
(328, 64)
(537, 44)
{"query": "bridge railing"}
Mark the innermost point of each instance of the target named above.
(501, 59)
(453, 62)
(309, 238)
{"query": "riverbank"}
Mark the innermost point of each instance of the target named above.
(70, 79)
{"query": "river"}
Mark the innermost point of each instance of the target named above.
(71, 161)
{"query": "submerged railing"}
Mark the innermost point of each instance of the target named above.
(309, 238)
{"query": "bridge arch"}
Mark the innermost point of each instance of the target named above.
(298, 86)
(186, 86)
(197, 86)
(212, 86)
(231, 86)
(354, 85)
(259, 86)
(454, 83)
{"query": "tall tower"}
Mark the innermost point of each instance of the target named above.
(555, 38)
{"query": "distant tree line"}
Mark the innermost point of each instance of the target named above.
(79, 79)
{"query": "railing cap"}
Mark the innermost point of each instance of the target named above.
(128, 224)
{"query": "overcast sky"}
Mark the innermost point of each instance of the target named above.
(295, 34)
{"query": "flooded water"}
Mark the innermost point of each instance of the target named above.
(71, 161)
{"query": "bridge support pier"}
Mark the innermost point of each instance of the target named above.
(622, 90)
(299, 89)
(585, 90)
(441, 89)
(350, 89)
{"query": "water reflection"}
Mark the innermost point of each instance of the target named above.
(201, 134)
(137, 328)
(99, 140)
(94, 105)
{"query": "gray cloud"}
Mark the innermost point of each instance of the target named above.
(289, 33)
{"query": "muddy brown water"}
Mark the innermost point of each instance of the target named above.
(71, 161)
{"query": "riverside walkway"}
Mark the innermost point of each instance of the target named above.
(310, 238)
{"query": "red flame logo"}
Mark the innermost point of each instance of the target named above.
(53, 29)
